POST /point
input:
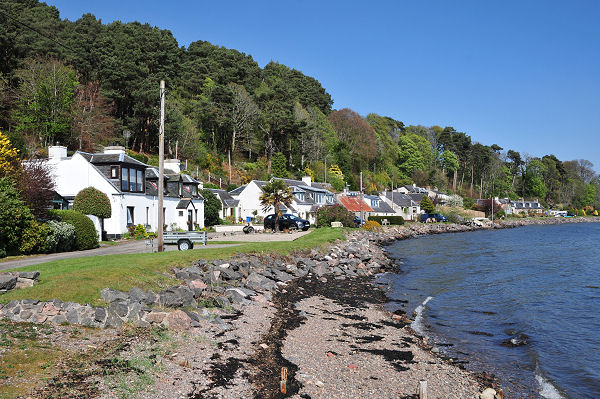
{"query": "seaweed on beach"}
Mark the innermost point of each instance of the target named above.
(268, 361)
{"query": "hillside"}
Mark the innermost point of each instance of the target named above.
(86, 84)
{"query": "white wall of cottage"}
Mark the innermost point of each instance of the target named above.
(72, 175)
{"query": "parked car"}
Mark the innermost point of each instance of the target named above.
(433, 217)
(358, 222)
(287, 221)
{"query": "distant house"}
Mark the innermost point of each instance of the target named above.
(522, 206)
(308, 197)
(380, 207)
(353, 203)
(131, 186)
(230, 207)
(406, 205)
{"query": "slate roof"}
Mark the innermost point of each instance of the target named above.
(184, 203)
(297, 186)
(111, 158)
(402, 200)
(353, 204)
(226, 199)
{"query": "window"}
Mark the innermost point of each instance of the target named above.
(180, 190)
(180, 213)
(130, 213)
(132, 179)
(194, 190)
(139, 186)
(114, 172)
(125, 179)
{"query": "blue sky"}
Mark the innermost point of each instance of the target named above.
(522, 74)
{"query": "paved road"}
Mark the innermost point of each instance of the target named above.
(139, 246)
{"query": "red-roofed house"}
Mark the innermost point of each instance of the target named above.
(352, 203)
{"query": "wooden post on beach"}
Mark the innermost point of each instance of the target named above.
(422, 389)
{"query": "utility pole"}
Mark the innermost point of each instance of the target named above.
(161, 167)
(361, 200)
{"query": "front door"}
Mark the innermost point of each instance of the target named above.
(190, 221)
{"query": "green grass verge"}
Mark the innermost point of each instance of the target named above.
(81, 279)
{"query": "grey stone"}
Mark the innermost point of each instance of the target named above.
(87, 322)
(224, 301)
(230, 274)
(135, 310)
(26, 315)
(139, 323)
(182, 275)
(192, 315)
(24, 283)
(138, 295)
(259, 282)
(320, 269)
(29, 275)
(119, 308)
(109, 295)
(30, 301)
(281, 276)
(113, 321)
(72, 316)
(100, 315)
(7, 281)
(59, 319)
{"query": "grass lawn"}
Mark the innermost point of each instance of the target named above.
(81, 279)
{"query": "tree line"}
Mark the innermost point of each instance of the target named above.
(86, 84)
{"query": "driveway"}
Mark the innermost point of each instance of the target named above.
(139, 246)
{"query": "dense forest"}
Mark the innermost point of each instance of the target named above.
(85, 84)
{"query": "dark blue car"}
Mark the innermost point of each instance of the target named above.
(433, 217)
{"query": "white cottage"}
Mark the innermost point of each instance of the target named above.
(308, 197)
(131, 186)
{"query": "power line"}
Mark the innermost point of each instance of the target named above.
(36, 31)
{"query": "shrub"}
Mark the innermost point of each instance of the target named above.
(61, 237)
(85, 232)
(371, 225)
(395, 220)
(427, 205)
(33, 240)
(15, 217)
(138, 231)
(91, 201)
(212, 206)
(334, 213)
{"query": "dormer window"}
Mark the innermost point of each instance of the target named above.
(132, 180)
(114, 172)
(180, 190)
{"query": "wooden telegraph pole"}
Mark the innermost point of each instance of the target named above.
(161, 167)
(361, 200)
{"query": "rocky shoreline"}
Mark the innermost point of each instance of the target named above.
(239, 322)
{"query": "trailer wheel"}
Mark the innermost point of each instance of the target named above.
(184, 245)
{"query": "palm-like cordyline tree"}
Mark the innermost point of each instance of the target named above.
(276, 193)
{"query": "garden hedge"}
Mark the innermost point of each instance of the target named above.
(395, 220)
(85, 232)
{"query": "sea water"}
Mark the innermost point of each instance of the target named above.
(471, 291)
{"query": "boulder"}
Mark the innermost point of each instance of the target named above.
(138, 295)
(156, 317)
(487, 393)
(24, 283)
(7, 282)
(29, 275)
(119, 308)
(109, 295)
(259, 282)
(178, 321)
(100, 315)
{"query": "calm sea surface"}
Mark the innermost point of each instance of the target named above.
(481, 288)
